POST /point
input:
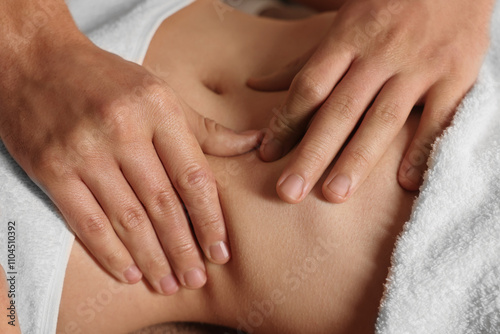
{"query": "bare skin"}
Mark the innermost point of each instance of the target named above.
(80, 121)
(378, 60)
(307, 268)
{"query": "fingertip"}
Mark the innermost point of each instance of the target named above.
(409, 177)
(226, 142)
(271, 150)
(169, 285)
(338, 189)
(219, 253)
(332, 197)
(194, 278)
(291, 189)
(244, 142)
(132, 275)
(256, 136)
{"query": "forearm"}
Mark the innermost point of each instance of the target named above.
(30, 30)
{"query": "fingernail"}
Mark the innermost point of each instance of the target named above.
(272, 149)
(219, 252)
(132, 274)
(169, 285)
(340, 185)
(413, 175)
(293, 186)
(195, 278)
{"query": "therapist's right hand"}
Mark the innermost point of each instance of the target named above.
(119, 153)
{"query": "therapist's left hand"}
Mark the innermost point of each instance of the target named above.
(379, 59)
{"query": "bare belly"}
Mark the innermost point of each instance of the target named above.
(313, 267)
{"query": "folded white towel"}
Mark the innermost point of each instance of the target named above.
(41, 251)
(445, 276)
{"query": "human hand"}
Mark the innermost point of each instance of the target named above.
(382, 57)
(112, 146)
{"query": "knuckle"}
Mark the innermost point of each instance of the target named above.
(115, 258)
(309, 88)
(285, 122)
(92, 224)
(164, 98)
(111, 111)
(132, 219)
(423, 144)
(183, 249)
(174, 108)
(341, 107)
(387, 114)
(50, 165)
(117, 125)
(156, 262)
(280, 125)
(360, 157)
(314, 155)
(391, 41)
(211, 222)
(154, 87)
(163, 201)
(146, 89)
(195, 178)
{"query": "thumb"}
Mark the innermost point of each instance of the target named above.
(282, 78)
(216, 139)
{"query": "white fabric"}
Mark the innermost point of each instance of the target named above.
(124, 27)
(446, 265)
(43, 241)
(42, 246)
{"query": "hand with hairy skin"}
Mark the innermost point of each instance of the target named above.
(115, 149)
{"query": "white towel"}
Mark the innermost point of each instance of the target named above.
(124, 27)
(42, 240)
(445, 276)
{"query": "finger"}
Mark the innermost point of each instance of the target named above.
(440, 106)
(218, 140)
(191, 176)
(282, 78)
(328, 131)
(309, 89)
(86, 218)
(131, 224)
(148, 178)
(380, 126)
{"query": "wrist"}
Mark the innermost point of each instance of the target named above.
(32, 32)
